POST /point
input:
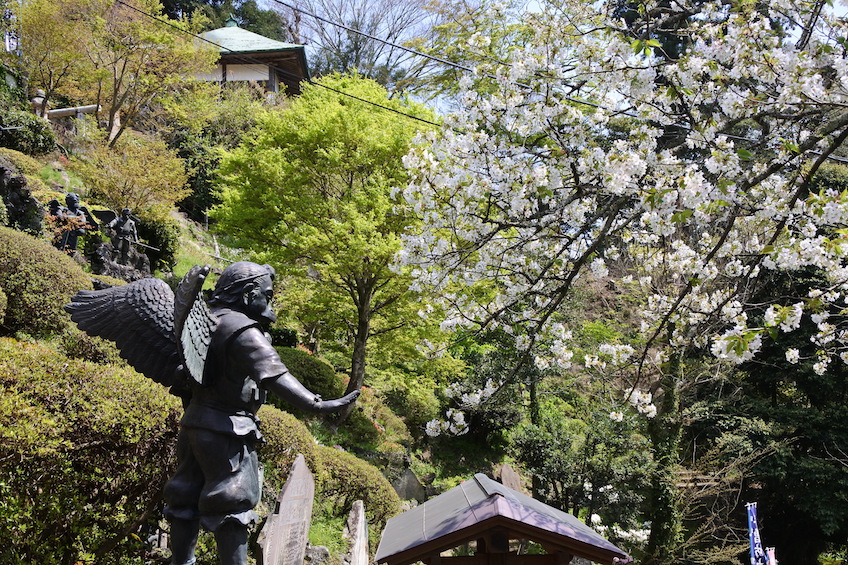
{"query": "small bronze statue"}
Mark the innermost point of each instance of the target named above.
(73, 220)
(125, 234)
(219, 359)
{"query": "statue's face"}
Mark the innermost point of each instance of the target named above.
(72, 200)
(258, 300)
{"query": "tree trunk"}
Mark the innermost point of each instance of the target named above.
(365, 294)
(664, 432)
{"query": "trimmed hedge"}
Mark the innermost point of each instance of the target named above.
(344, 478)
(26, 132)
(84, 452)
(38, 281)
(341, 478)
(315, 374)
(285, 437)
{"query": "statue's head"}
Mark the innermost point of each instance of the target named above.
(126, 212)
(72, 200)
(249, 288)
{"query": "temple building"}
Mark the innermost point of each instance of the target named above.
(248, 56)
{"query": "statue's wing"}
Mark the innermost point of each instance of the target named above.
(193, 322)
(139, 318)
(105, 216)
(89, 219)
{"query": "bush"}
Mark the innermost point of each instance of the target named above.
(38, 281)
(31, 135)
(77, 344)
(25, 164)
(164, 234)
(285, 437)
(340, 477)
(315, 374)
(84, 452)
(343, 479)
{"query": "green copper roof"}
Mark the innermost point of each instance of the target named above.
(235, 39)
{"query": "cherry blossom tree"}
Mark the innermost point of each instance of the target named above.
(686, 176)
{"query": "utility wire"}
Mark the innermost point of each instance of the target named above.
(421, 53)
(289, 74)
(800, 44)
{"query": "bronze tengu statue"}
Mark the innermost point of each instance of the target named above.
(219, 359)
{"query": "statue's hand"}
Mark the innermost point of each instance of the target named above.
(327, 406)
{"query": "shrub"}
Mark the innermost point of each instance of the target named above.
(84, 452)
(343, 479)
(26, 132)
(316, 374)
(340, 477)
(25, 164)
(162, 233)
(38, 281)
(285, 437)
(77, 344)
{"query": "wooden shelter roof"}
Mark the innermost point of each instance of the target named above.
(475, 509)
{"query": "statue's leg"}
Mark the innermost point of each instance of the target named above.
(231, 539)
(231, 468)
(181, 494)
(183, 540)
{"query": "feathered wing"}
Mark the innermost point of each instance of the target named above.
(139, 318)
(194, 323)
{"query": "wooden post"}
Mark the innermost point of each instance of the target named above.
(357, 532)
(285, 535)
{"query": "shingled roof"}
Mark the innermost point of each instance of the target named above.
(480, 505)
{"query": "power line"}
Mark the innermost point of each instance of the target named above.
(287, 73)
(291, 75)
(421, 53)
(526, 86)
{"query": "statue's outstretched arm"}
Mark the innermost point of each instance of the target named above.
(292, 391)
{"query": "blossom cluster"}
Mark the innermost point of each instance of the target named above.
(635, 536)
(536, 182)
(454, 421)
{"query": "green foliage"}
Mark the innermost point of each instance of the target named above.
(324, 530)
(84, 452)
(317, 375)
(343, 479)
(77, 344)
(138, 172)
(25, 132)
(789, 420)
(11, 97)
(309, 191)
(830, 176)
(25, 164)
(285, 438)
(38, 281)
(4, 302)
(214, 117)
(162, 232)
(585, 462)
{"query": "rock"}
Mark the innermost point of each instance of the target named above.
(104, 262)
(408, 487)
(316, 554)
(23, 212)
